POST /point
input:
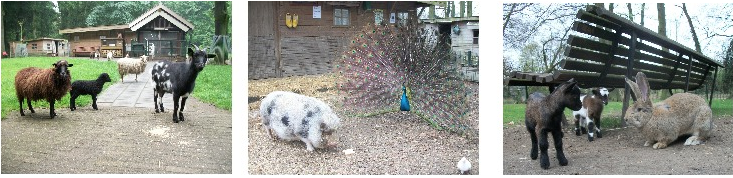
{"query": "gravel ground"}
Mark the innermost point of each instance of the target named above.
(622, 151)
(118, 140)
(393, 143)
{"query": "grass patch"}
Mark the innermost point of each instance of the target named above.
(83, 69)
(214, 86)
(514, 113)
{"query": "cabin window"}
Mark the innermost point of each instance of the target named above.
(475, 36)
(48, 46)
(402, 18)
(34, 46)
(341, 17)
(102, 37)
(76, 38)
(378, 16)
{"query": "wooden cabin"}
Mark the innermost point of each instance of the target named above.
(45, 47)
(321, 34)
(159, 32)
(458, 21)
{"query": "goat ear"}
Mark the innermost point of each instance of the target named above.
(70, 65)
(211, 55)
(596, 91)
(568, 87)
(634, 87)
(643, 86)
(190, 52)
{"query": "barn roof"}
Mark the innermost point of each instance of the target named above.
(161, 11)
(158, 11)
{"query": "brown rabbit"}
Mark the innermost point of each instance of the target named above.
(663, 122)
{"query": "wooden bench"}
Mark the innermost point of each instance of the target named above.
(624, 49)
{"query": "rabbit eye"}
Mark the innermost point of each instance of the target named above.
(638, 109)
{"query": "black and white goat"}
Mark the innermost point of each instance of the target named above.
(589, 116)
(544, 115)
(177, 78)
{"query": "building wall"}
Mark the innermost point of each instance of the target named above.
(312, 46)
(43, 47)
(464, 40)
(89, 41)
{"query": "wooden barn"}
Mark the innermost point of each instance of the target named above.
(159, 32)
(278, 48)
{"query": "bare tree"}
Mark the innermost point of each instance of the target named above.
(692, 28)
(662, 28)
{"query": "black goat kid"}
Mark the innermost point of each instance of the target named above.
(544, 115)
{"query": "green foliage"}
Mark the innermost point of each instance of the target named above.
(74, 14)
(201, 15)
(38, 19)
(83, 69)
(214, 85)
(117, 12)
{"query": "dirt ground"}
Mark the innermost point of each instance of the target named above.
(622, 151)
(393, 143)
(118, 140)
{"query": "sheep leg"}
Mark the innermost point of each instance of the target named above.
(557, 137)
(533, 137)
(20, 100)
(175, 107)
(94, 102)
(30, 106)
(72, 101)
(53, 113)
(183, 104)
(544, 159)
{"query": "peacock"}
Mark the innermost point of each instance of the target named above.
(403, 67)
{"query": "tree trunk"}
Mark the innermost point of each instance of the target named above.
(662, 28)
(221, 18)
(692, 28)
(631, 13)
(642, 14)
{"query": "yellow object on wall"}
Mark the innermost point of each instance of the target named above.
(288, 20)
(295, 20)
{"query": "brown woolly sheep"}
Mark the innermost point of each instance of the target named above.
(50, 84)
(544, 115)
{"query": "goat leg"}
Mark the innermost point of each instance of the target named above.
(183, 104)
(175, 107)
(544, 159)
(557, 137)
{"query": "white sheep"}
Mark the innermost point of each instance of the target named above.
(131, 66)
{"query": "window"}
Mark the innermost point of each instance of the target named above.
(102, 37)
(34, 46)
(475, 36)
(76, 38)
(48, 46)
(341, 17)
(378, 16)
(402, 17)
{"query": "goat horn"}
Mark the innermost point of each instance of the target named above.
(195, 47)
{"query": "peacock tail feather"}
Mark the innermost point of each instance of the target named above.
(381, 59)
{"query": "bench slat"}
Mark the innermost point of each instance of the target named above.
(587, 80)
(602, 58)
(607, 35)
(592, 68)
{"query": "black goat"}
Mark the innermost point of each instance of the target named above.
(544, 115)
(179, 79)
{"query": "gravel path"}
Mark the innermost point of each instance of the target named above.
(118, 140)
(393, 143)
(621, 151)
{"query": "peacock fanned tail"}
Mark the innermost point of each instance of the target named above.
(381, 58)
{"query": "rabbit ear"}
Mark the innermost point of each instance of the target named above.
(634, 87)
(643, 86)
